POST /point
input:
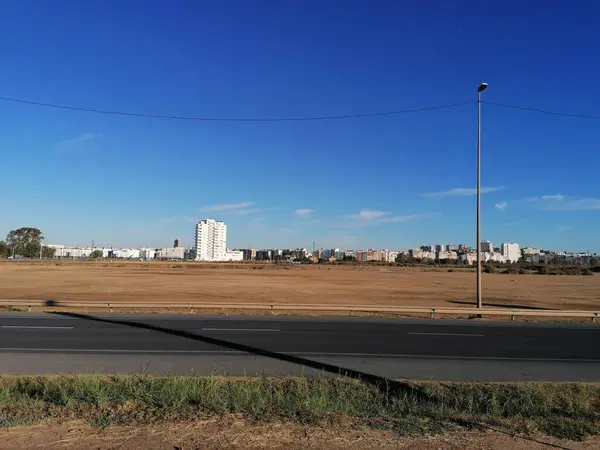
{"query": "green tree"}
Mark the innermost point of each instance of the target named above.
(25, 241)
(4, 250)
(593, 261)
(48, 252)
(96, 254)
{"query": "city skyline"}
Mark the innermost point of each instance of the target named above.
(382, 181)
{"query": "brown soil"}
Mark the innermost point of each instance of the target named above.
(235, 433)
(335, 285)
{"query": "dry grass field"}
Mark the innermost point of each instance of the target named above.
(342, 285)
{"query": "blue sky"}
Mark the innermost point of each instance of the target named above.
(392, 181)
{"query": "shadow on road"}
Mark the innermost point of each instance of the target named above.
(384, 385)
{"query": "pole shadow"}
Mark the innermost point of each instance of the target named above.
(488, 303)
(384, 385)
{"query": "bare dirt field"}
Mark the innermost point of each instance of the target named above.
(336, 285)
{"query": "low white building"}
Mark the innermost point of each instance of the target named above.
(234, 255)
(147, 253)
(126, 253)
(170, 253)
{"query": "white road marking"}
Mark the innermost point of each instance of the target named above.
(241, 329)
(448, 334)
(28, 327)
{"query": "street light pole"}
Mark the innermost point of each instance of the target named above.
(480, 89)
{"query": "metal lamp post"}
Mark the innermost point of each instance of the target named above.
(480, 89)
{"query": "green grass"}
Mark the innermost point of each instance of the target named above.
(563, 410)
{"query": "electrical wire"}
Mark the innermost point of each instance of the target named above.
(543, 111)
(233, 119)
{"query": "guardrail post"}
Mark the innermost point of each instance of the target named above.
(110, 307)
(271, 311)
(351, 314)
(432, 313)
(512, 317)
(594, 317)
(191, 309)
(29, 308)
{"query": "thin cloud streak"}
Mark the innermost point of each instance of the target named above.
(559, 202)
(226, 207)
(461, 192)
(76, 142)
(367, 218)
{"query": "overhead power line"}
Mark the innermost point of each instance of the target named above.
(233, 119)
(543, 111)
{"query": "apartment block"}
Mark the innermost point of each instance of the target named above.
(210, 240)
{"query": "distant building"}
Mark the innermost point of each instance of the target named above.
(440, 248)
(249, 254)
(211, 240)
(487, 246)
(234, 255)
(189, 254)
(392, 255)
(531, 251)
(511, 251)
(428, 248)
(177, 243)
(147, 253)
(451, 247)
(170, 253)
(447, 255)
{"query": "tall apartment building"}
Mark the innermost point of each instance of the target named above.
(211, 240)
(511, 252)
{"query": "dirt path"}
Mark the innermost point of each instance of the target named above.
(235, 433)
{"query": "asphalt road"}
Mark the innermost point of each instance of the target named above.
(32, 343)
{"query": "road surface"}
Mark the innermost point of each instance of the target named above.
(50, 343)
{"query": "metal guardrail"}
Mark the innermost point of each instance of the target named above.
(275, 307)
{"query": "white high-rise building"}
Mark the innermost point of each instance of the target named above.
(511, 252)
(211, 240)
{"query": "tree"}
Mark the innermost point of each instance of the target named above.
(25, 242)
(96, 254)
(4, 250)
(48, 252)
(593, 261)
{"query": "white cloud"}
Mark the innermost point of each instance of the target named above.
(559, 202)
(367, 215)
(555, 198)
(76, 142)
(408, 218)
(501, 206)
(462, 192)
(226, 207)
(303, 212)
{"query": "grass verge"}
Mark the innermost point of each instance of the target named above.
(569, 411)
